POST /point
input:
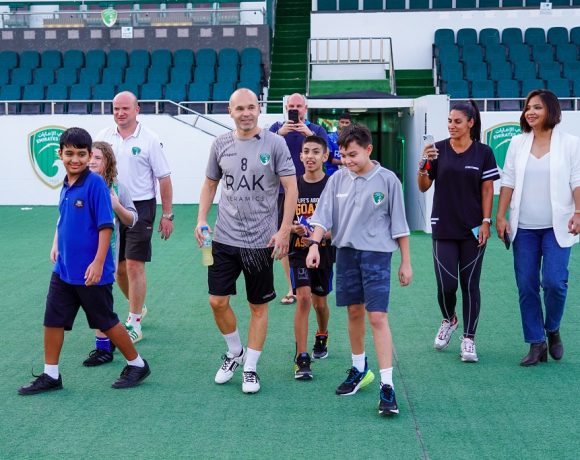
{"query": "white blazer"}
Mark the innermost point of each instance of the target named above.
(564, 178)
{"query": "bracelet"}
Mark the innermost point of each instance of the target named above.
(422, 173)
(312, 243)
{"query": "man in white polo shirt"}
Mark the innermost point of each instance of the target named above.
(140, 164)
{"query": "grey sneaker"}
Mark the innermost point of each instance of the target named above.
(444, 333)
(468, 353)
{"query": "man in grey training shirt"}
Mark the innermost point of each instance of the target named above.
(251, 164)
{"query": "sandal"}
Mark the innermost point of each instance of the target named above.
(288, 299)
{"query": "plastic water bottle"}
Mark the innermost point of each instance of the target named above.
(206, 255)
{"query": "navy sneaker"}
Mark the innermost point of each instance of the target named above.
(302, 369)
(387, 401)
(320, 349)
(132, 376)
(355, 380)
(41, 384)
(98, 357)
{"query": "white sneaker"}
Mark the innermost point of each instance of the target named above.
(468, 353)
(251, 382)
(228, 367)
(136, 335)
(143, 312)
(445, 332)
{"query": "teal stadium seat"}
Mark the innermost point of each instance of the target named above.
(442, 4)
(327, 5)
(575, 36)
(489, 36)
(531, 84)
(448, 53)
(512, 36)
(519, 52)
(483, 89)
(221, 92)
(252, 85)
(525, 70)
(466, 36)
(557, 36)
(10, 93)
(250, 56)
(30, 59)
(348, 5)
(489, 3)
(80, 94)
(96, 59)
(56, 92)
(228, 57)
(542, 53)
(567, 52)
(8, 59)
(4, 76)
(444, 37)
(183, 58)
(227, 74)
(571, 70)
(475, 71)
(181, 75)
(452, 71)
(158, 75)
(206, 57)
(458, 89)
(90, 76)
(131, 87)
(535, 36)
(117, 58)
(508, 89)
(112, 75)
(161, 58)
(34, 92)
(251, 72)
(43, 76)
(549, 70)
(512, 3)
(136, 75)
(372, 5)
(73, 59)
(139, 58)
(466, 4)
(500, 70)
(103, 92)
(418, 4)
(66, 76)
(175, 92)
(472, 53)
(153, 92)
(198, 91)
(51, 59)
(21, 76)
(576, 87)
(395, 4)
(561, 88)
(204, 74)
(495, 53)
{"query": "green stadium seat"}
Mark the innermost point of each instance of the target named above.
(549, 70)
(96, 59)
(151, 91)
(519, 52)
(467, 4)
(8, 59)
(34, 92)
(228, 57)
(80, 94)
(10, 93)
(327, 5)
(508, 89)
(535, 36)
(372, 5)
(348, 5)
(183, 58)
(111, 75)
(418, 4)
(21, 76)
(458, 89)
(575, 36)
(181, 75)
(567, 52)
(158, 75)
(572, 70)
(204, 74)
(43, 76)
(103, 92)
(475, 71)
(525, 70)
(250, 56)
(139, 58)
(117, 58)
(227, 74)
(206, 57)
(511, 36)
(56, 92)
(135, 75)
(74, 59)
(531, 84)
(51, 59)
(489, 36)
(472, 53)
(251, 72)
(395, 4)
(90, 76)
(253, 85)
(161, 58)
(66, 76)
(499, 70)
(30, 59)
(494, 53)
(558, 36)
(444, 37)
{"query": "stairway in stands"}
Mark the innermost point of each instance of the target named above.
(289, 50)
(414, 83)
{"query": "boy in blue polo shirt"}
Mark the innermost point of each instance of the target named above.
(362, 204)
(84, 271)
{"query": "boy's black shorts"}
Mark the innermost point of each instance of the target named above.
(230, 261)
(318, 279)
(64, 300)
(135, 242)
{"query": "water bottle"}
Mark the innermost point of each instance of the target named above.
(206, 255)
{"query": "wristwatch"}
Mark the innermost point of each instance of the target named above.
(168, 216)
(486, 219)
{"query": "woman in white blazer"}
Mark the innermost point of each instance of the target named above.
(541, 185)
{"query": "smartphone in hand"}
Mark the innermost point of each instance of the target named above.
(293, 116)
(506, 240)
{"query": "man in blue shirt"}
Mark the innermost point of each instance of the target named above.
(334, 160)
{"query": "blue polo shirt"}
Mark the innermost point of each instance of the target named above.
(333, 152)
(85, 208)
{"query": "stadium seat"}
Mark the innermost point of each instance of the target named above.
(221, 92)
(418, 4)
(557, 36)
(483, 89)
(458, 89)
(56, 92)
(525, 70)
(51, 59)
(21, 76)
(571, 70)
(30, 59)
(442, 4)
(228, 57)
(73, 59)
(549, 70)
(8, 59)
(161, 58)
(372, 5)
(576, 87)
(508, 89)
(472, 53)
(251, 72)
(198, 91)
(227, 74)
(531, 85)
(90, 76)
(117, 59)
(512, 3)
(489, 3)
(499, 70)
(535, 36)
(475, 71)
(327, 5)
(134, 75)
(131, 87)
(96, 59)
(153, 92)
(206, 57)
(511, 36)
(111, 75)
(80, 94)
(447, 53)
(395, 4)
(567, 52)
(542, 53)
(452, 71)
(253, 85)
(139, 58)
(174, 92)
(66, 76)
(158, 75)
(43, 76)
(561, 88)
(183, 58)
(34, 92)
(466, 36)
(467, 4)
(348, 5)
(181, 75)
(103, 95)
(575, 36)
(204, 74)
(495, 53)
(250, 56)
(4, 76)
(489, 36)
(444, 37)
(519, 52)
(10, 93)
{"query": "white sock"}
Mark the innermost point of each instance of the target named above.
(358, 361)
(51, 370)
(137, 362)
(134, 320)
(252, 357)
(387, 376)
(234, 342)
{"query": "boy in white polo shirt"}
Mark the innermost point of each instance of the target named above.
(362, 204)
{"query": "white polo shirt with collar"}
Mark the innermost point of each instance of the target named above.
(140, 160)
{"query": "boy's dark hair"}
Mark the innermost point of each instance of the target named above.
(554, 112)
(317, 140)
(345, 116)
(77, 138)
(355, 133)
(471, 111)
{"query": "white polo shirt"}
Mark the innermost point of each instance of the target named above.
(140, 160)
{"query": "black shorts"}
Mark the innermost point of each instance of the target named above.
(230, 261)
(135, 242)
(64, 300)
(318, 279)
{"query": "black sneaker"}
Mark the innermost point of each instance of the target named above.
(98, 357)
(320, 350)
(355, 381)
(42, 383)
(387, 401)
(132, 376)
(302, 369)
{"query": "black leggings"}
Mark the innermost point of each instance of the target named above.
(451, 256)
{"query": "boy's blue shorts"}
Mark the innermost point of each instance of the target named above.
(363, 277)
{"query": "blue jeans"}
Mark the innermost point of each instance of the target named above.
(535, 251)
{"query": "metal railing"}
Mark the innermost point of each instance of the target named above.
(494, 104)
(407, 6)
(351, 51)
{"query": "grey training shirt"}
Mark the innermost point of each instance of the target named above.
(363, 212)
(250, 173)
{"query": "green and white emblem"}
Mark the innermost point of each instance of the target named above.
(378, 197)
(498, 137)
(109, 17)
(265, 158)
(135, 150)
(43, 145)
